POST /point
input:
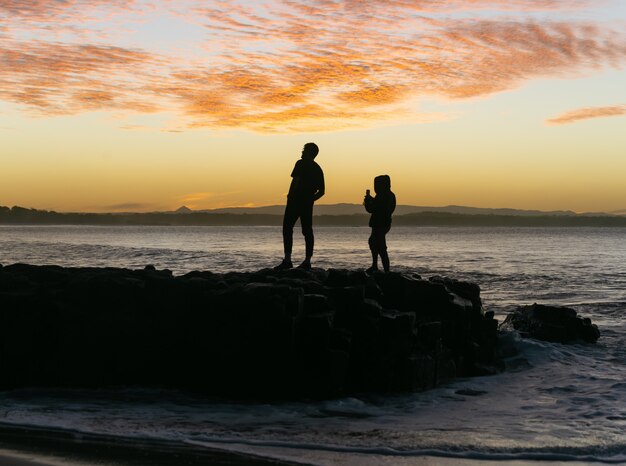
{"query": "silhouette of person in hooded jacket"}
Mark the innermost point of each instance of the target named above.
(381, 207)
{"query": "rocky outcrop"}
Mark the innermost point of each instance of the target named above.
(265, 334)
(551, 323)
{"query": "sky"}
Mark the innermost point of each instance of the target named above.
(130, 105)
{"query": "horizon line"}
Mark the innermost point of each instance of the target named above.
(209, 210)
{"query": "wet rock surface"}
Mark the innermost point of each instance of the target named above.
(551, 323)
(266, 334)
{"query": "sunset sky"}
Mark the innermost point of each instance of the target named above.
(122, 105)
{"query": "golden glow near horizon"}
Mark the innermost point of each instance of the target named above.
(141, 106)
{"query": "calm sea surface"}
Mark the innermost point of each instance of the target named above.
(554, 402)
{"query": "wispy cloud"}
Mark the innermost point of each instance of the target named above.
(195, 197)
(296, 65)
(58, 10)
(52, 78)
(588, 113)
(355, 69)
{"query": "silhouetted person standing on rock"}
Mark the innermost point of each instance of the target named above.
(381, 207)
(307, 186)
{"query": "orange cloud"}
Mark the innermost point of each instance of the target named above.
(378, 8)
(360, 75)
(66, 79)
(375, 95)
(57, 10)
(296, 65)
(587, 113)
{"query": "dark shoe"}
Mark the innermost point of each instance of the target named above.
(372, 270)
(284, 265)
(306, 265)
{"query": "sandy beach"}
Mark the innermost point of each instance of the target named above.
(26, 446)
(23, 446)
(27, 458)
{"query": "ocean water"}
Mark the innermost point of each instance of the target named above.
(554, 402)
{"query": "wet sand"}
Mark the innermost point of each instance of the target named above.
(26, 446)
(25, 458)
(8, 458)
(28, 458)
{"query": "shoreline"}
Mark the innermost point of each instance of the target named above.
(31, 446)
(38, 446)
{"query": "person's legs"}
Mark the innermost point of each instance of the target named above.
(306, 221)
(384, 258)
(378, 246)
(289, 220)
(372, 245)
(382, 248)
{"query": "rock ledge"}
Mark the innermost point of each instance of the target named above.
(265, 334)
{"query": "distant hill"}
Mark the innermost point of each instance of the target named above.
(260, 216)
(353, 209)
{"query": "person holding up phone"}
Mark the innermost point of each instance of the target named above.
(381, 207)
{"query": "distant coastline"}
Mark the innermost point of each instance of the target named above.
(248, 217)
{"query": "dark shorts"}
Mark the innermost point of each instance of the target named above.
(302, 210)
(377, 241)
(295, 210)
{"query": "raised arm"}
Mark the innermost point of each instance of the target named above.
(368, 203)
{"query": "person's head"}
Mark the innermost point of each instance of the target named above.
(310, 150)
(382, 184)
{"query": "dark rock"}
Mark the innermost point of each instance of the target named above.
(429, 336)
(467, 290)
(313, 334)
(347, 302)
(446, 367)
(396, 333)
(370, 308)
(372, 290)
(551, 323)
(423, 371)
(425, 298)
(205, 274)
(341, 339)
(394, 287)
(316, 304)
(266, 334)
(338, 278)
(337, 372)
